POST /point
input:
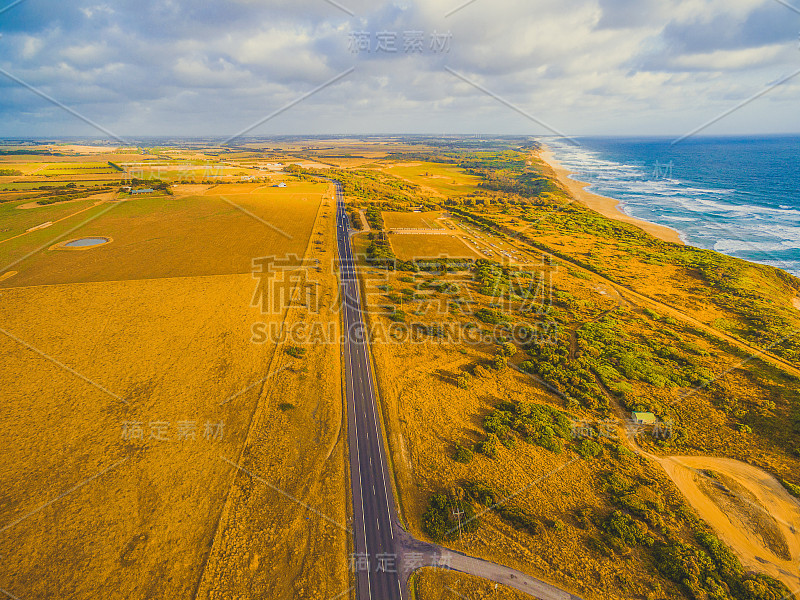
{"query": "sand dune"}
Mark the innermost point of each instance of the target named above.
(766, 498)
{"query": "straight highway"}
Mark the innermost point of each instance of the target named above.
(375, 558)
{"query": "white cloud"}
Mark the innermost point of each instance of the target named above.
(584, 65)
(730, 60)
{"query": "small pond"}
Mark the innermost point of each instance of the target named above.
(83, 242)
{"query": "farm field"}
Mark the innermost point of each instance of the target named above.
(415, 246)
(178, 355)
(442, 179)
(412, 220)
(16, 221)
(158, 447)
(190, 235)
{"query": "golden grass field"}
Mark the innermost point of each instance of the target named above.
(156, 328)
(412, 220)
(440, 584)
(157, 335)
(170, 236)
(414, 246)
(427, 413)
(440, 179)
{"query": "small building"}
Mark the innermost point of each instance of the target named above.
(145, 191)
(281, 185)
(643, 418)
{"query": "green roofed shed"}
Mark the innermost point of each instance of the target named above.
(643, 418)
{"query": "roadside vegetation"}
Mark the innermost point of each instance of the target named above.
(505, 379)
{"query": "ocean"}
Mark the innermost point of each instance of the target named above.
(736, 195)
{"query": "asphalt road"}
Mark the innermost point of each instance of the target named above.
(373, 500)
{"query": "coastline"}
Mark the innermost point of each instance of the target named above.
(608, 207)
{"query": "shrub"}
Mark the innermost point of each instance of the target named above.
(447, 516)
(296, 351)
(488, 447)
(536, 423)
(463, 381)
(793, 489)
(489, 316)
(508, 349)
(627, 529)
(513, 515)
(623, 453)
(578, 274)
(651, 313)
(588, 448)
(462, 454)
(284, 406)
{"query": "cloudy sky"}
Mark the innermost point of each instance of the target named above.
(192, 67)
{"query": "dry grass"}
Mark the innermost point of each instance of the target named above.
(414, 246)
(439, 584)
(439, 179)
(412, 220)
(427, 414)
(163, 325)
(173, 236)
(173, 349)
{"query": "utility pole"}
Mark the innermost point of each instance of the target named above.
(457, 512)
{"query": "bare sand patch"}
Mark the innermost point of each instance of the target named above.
(750, 511)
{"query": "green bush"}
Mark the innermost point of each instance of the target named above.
(462, 454)
(447, 516)
(508, 349)
(651, 313)
(537, 424)
(627, 529)
(296, 351)
(489, 316)
(713, 571)
(588, 448)
(513, 515)
(793, 489)
(488, 446)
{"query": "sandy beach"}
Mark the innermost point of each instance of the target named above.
(608, 207)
